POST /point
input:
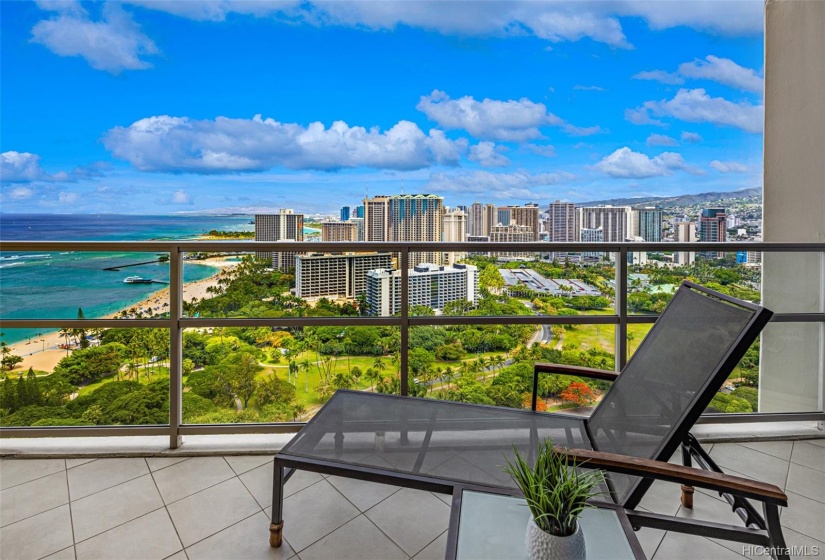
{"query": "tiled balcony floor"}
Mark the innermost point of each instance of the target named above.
(218, 507)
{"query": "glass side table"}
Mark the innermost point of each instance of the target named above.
(487, 525)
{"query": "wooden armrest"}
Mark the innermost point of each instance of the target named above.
(669, 472)
(591, 373)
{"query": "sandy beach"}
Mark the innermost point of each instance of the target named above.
(43, 352)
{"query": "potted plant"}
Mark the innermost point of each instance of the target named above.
(556, 493)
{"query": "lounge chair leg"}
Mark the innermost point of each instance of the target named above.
(687, 496)
(276, 534)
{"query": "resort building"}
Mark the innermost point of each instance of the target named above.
(454, 230)
(336, 276)
(480, 218)
(616, 222)
(286, 225)
(513, 233)
(685, 233)
(430, 285)
(339, 231)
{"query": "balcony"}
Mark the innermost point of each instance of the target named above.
(171, 485)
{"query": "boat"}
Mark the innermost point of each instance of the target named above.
(137, 280)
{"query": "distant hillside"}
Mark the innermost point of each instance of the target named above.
(683, 200)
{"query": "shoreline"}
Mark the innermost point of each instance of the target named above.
(43, 352)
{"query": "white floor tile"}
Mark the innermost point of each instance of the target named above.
(362, 494)
(31, 498)
(435, 550)
(37, 536)
(95, 476)
(209, 511)
(151, 537)
(243, 463)
(186, 478)
(357, 540)
(806, 482)
(112, 507)
(808, 455)
(313, 513)
(19, 471)
(248, 539)
(411, 518)
(157, 463)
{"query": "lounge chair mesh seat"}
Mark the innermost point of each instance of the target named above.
(668, 382)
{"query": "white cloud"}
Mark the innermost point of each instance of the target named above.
(24, 167)
(691, 137)
(661, 140)
(488, 155)
(519, 184)
(624, 163)
(740, 17)
(660, 76)
(20, 167)
(588, 88)
(491, 119)
(723, 70)
(180, 144)
(114, 43)
(20, 193)
(67, 197)
(181, 197)
(728, 166)
(695, 105)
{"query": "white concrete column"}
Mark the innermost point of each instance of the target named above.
(793, 354)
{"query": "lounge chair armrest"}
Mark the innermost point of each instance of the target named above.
(669, 472)
(581, 371)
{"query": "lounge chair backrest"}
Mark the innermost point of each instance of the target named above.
(670, 379)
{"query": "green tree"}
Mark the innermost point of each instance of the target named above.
(33, 389)
(237, 374)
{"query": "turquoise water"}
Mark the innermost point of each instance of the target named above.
(53, 285)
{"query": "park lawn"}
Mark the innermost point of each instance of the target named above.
(160, 372)
(602, 336)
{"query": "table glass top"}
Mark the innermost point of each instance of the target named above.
(495, 526)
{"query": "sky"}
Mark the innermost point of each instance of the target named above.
(167, 106)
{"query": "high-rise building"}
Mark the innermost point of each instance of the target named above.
(527, 215)
(416, 217)
(343, 276)
(454, 230)
(513, 233)
(429, 285)
(713, 229)
(339, 231)
(480, 218)
(376, 215)
(562, 222)
(616, 221)
(685, 233)
(345, 213)
(286, 225)
(592, 235)
(650, 224)
(359, 212)
(359, 227)
(503, 216)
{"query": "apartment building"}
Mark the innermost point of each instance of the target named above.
(616, 222)
(286, 225)
(454, 228)
(336, 276)
(430, 285)
(339, 231)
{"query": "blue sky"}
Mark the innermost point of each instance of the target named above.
(170, 106)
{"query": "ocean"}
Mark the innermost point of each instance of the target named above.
(54, 284)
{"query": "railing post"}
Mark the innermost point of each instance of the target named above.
(620, 301)
(175, 346)
(405, 318)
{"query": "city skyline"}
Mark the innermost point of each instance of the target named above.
(217, 106)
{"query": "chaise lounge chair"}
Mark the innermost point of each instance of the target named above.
(638, 425)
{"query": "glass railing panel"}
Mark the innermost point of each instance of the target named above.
(793, 282)
(53, 284)
(790, 378)
(260, 285)
(264, 374)
(78, 377)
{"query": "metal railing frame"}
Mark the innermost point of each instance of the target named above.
(176, 323)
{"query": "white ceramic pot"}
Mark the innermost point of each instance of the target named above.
(544, 546)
